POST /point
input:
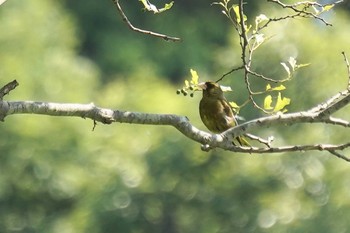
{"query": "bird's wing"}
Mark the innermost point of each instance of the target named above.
(227, 109)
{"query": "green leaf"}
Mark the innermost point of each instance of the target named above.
(233, 105)
(195, 77)
(268, 102)
(219, 3)
(187, 84)
(279, 88)
(167, 6)
(238, 16)
(236, 10)
(268, 87)
(148, 6)
(225, 88)
(281, 103)
(302, 65)
(260, 18)
(328, 7)
(247, 28)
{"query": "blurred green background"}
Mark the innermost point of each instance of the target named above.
(59, 176)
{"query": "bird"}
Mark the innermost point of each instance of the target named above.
(215, 111)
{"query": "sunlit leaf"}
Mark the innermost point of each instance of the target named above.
(219, 3)
(268, 102)
(152, 8)
(167, 6)
(148, 6)
(187, 84)
(225, 88)
(195, 77)
(233, 105)
(2, 1)
(268, 87)
(247, 28)
(302, 65)
(279, 88)
(286, 67)
(281, 103)
(261, 18)
(328, 7)
(292, 62)
(259, 38)
(236, 10)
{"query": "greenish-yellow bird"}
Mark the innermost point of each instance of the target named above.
(215, 112)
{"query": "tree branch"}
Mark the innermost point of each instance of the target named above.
(132, 27)
(7, 88)
(318, 114)
(303, 9)
(182, 123)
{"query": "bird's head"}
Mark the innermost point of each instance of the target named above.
(211, 89)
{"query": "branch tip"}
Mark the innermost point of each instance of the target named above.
(7, 88)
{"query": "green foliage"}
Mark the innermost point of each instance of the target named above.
(150, 7)
(190, 85)
(280, 104)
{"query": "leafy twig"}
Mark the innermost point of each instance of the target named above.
(126, 20)
(302, 9)
(251, 39)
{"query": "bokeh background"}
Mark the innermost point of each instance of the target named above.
(59, 176)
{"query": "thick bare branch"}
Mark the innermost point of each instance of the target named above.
(181, 123)
(104, 115)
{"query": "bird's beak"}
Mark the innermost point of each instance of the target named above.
(202, 86)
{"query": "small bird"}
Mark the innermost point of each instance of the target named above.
(215, 112)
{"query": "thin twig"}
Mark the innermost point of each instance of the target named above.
(348, 67)
(132, 27)
(266, 142)
(243, 32)
(339, 155)
(304, 12)
(229, 72)
(266, 78)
